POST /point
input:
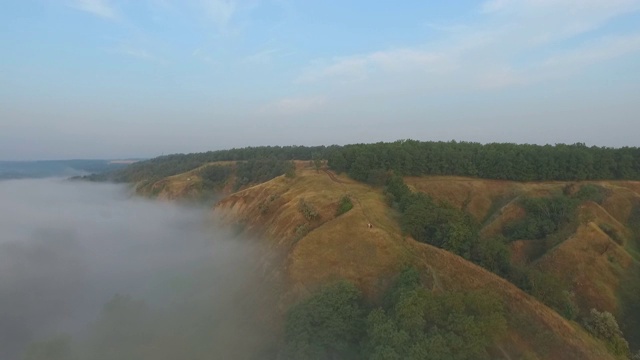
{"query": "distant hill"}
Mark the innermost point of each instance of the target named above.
(57, 168)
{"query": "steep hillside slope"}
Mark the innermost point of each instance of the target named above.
(595, 256)
(298, 216)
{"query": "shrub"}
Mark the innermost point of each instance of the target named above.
(439, 224)
(493, 255)
(308, 211)
(545, 216)
(291, 172)
(591, 192)
(603, 325)
(344, 205)
(265, 204)
(301, 231)
(549, 289)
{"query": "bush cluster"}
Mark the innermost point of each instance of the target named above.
(412, 323)
(603, 325)
(344, 205)
(308, 211)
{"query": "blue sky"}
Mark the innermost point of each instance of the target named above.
(140, 78)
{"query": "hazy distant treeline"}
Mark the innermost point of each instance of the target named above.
(53, 168)
(369, 162)
(168, 165)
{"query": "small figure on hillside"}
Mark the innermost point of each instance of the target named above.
(370, 226)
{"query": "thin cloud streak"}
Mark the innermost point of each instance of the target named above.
(138, 53)
(261, 57)
(100, 8)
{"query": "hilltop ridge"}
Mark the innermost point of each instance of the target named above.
(551, 250)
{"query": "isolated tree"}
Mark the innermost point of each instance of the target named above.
(317, 161)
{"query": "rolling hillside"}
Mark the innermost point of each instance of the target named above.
(317, 247)
(594, 257)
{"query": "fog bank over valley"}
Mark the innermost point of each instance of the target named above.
(89, 271)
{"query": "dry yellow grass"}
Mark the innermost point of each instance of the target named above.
(475, 196)
(621, 200)
(332, 247)
(533, 327)
(312, 252)
(344, 247)
(590, 261)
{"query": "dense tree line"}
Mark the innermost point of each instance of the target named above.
(410, 323)
(526, 162)
(370, 162)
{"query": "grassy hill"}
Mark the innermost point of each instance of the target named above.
(327, 247)
(593, 258)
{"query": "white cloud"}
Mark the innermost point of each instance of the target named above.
(293, 106)
(542, 21)
(512, 43)
(220, 11)
(361, 67)
(101, 8)
(139, 53)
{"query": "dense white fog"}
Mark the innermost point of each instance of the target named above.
(175, 286)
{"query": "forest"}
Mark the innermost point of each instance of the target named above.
(490, 161)
(370, 162)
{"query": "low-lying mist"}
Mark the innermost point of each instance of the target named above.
(88, 271)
